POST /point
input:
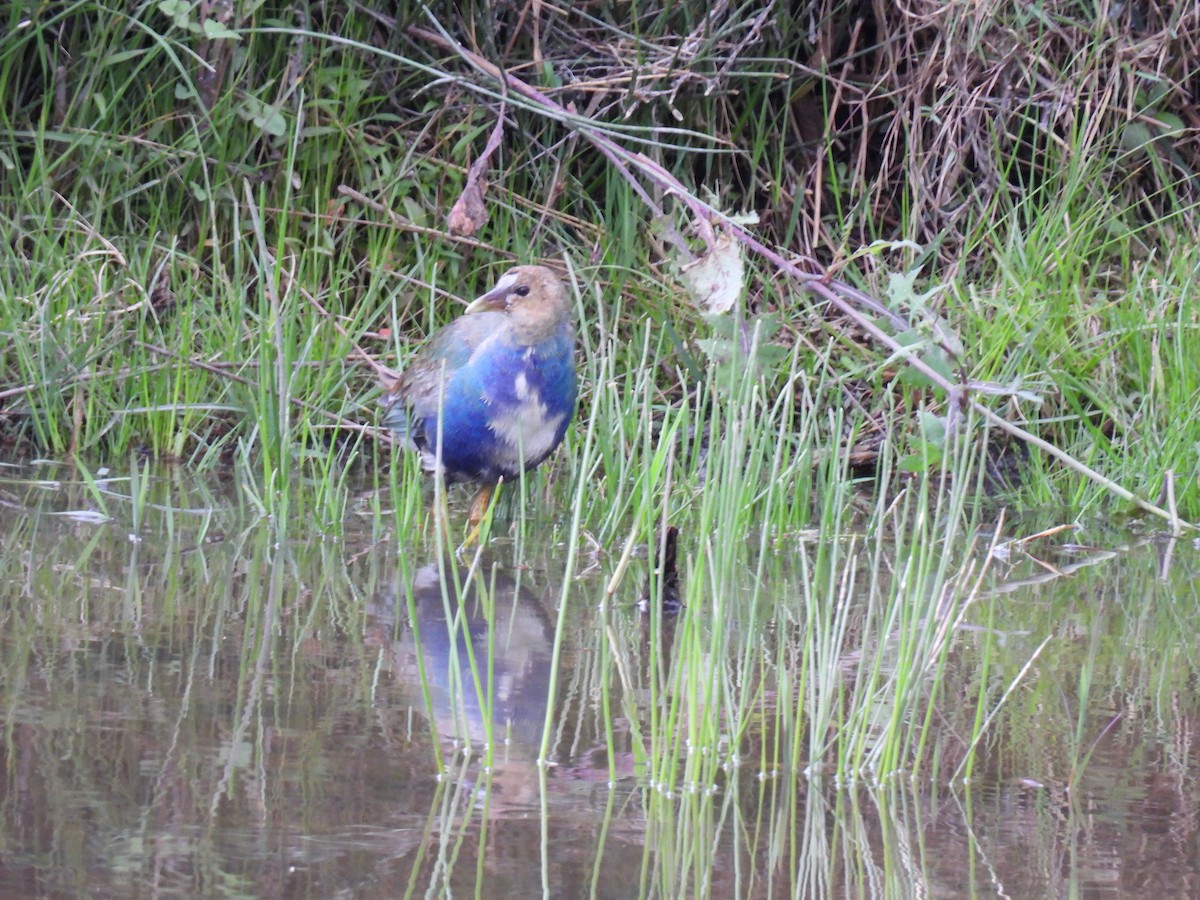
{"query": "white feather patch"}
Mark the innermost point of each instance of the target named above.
(528, 433)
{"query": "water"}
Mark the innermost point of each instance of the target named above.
(198, 700)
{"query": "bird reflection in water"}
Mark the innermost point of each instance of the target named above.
(453, 636)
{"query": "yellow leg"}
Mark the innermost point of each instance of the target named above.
(479, 513)
(479, 506)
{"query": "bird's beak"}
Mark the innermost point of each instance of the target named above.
(496, 298)
(493, 299)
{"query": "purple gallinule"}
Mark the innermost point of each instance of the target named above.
(501, 379)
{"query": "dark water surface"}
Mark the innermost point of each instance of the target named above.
(199, 700)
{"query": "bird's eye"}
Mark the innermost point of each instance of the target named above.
(522, 290)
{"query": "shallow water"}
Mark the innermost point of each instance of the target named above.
(199, 700)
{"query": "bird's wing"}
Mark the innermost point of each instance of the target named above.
(447, 351)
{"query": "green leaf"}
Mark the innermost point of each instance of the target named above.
(217, 31)
(937, 361)
(1135, 136)
(180, 11)
(113, 59)
(933, 428)
(925, 457)
(1172, 125)
(273, 123)
(268, 118)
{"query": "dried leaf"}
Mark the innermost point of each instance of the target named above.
(468, 214)
(717, 280)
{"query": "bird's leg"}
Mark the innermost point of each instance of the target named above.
(480, 513)
(479, 506)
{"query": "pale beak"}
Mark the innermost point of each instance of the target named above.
(491, 300)
(496, 298)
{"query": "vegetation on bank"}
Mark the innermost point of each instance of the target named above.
(215, 215)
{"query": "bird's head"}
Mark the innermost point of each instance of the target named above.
(534, 299)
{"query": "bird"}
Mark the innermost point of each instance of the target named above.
(491, 394)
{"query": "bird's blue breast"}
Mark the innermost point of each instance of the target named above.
(506, 406)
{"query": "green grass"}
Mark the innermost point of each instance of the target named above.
(200, 285)
(214, 287)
